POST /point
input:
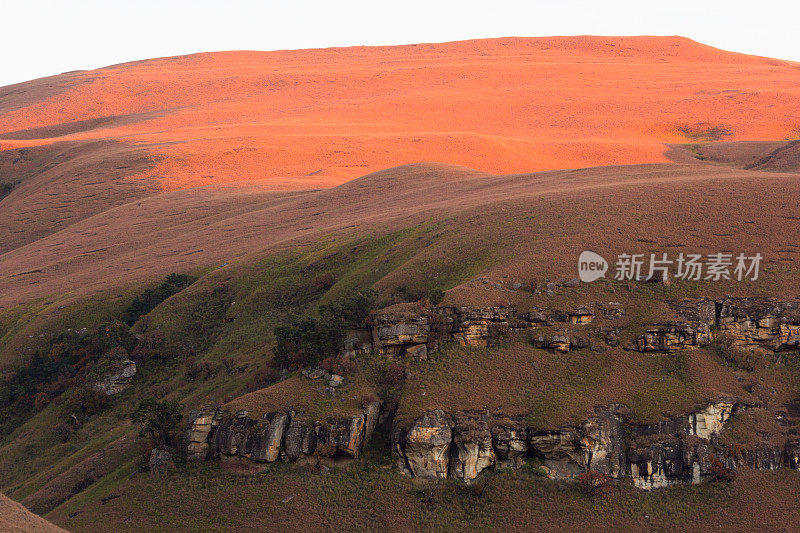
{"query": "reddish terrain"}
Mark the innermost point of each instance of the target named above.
(106, 162)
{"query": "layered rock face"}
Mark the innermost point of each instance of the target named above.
(280, 435)
(672, 337)
(681, 450)
(461, 444)
(748, 323)
(758, 323)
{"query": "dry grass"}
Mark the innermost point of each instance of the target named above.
(554, 389)
(14, 518)
(368, 498)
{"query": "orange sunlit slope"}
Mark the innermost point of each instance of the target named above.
(316, 118)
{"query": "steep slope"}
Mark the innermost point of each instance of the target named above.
(14, 518)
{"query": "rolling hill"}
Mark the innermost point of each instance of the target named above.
(406, 222)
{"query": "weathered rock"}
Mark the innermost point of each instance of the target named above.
(658, 463)
(394, 335)
(582, 315)
(418, 352)
(792, 453)
(709, 421)
(510, 441)
(748, 323)
(300, 439)
(279, 434)
(560, 452)
(477, 326)
(118, 378)
(343, 435)
(201, 424)
(684, 449)
(424, 448)
(602, 442)
(472, 445)
(257, 440)
(673, 337)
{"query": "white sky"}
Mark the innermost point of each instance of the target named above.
(44, 37)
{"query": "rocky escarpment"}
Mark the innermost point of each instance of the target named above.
(461, 444)
(684, 449)
(749, 323)
(284, 435)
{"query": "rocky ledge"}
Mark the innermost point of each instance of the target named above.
(681, 450)
(748, 323)
(286, 435)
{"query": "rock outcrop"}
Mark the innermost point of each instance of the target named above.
(117, 378)
(462, 444)
(673, 337)
(424, 448)
(681, 450)
(747, 322)
(279, 435)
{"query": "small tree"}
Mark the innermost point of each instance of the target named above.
(159, 421)
(719, 471)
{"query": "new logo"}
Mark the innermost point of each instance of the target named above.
(591, 266)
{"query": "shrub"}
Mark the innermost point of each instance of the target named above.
(160, 390)
(159, 421)
(202, 370)
(404, 293)
(61, 364)
(149, 346)
(150, 298)
(84, 402)
(305, 342)
(5, 188)
(229, 365)
(720, 472)
(64, 431)
(534, 467)
(338, 365)
(394, 375)
(435, 296)
(595, 484)
(352, 311)
(323, 282)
